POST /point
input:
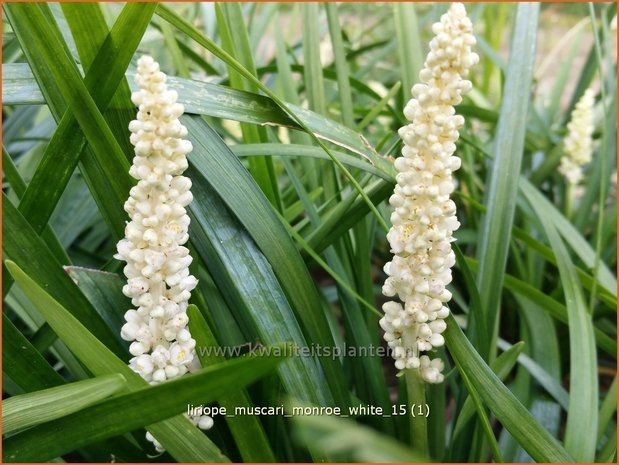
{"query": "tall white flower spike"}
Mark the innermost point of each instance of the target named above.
(424, 217)
(579, 141)
(157, 270)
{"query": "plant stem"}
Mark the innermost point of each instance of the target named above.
(416, 393)
(569, 199)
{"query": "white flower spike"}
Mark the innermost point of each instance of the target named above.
(157, 270)
(424, 217)
(579, 141)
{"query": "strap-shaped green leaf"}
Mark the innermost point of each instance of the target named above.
(502, 186)
(206, 42)
(538, 442)
(23, 363)
(570, 234)
(245, 278)
(582, 412)
(38, 407)
(235, 41)
(104, 291)
(204, 98)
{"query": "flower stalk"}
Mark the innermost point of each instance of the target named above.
(416, 393)
(424, 216)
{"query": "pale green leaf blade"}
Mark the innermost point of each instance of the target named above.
(38, 407)
(500, 200)
(537, 441)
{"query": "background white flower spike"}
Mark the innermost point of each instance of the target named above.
(424, 216)
(157, 270)
(578, 144)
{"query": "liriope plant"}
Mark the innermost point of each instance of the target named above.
(276, 187)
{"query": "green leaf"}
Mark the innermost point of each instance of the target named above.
(11, 173)
(235, 41)
(543, 363)
(410, 49)
(367, 371)
(533, 438)
(345, 214)
(202, 98)
(608, 454)
(308, 151)
(341, 64)
(131, 411)
(481, 414)
(607, 409)
(554, 308)
(477, 329)
(92, 37)
(246, 280)
(552, 386)
(75, 212)
(606, 295)
(23, 363)
(585, 78)
(581, 428)
(575, 38)
(178, 435)
(501, 366)
(104, 291)
(502, 186)
(192, 32)
(38, 407)
(313, 78)
(329, 74)
(172, 45)
(337, 277)
(19, 186)
(375, 111)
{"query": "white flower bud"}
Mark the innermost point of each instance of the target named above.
(137, 348)
(129, 331)
(159, 375)
(205, 422)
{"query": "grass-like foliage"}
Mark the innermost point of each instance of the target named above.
(293, 112)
